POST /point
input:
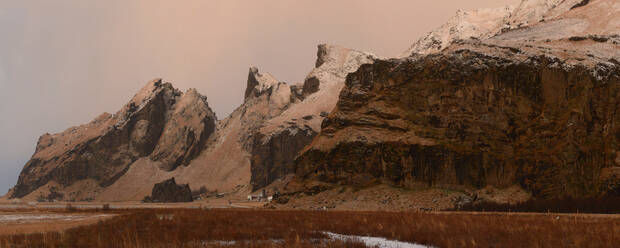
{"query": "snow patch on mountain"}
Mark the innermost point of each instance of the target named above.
(486, 23)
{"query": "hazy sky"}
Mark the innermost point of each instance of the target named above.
(64, 62)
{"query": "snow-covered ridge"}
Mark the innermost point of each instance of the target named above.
(321, 88)
(485, 23)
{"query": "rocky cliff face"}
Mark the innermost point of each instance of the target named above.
(160, 122)
(186, 131)
(279, 140)
(536, 106)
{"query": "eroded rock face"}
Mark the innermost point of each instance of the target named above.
(280, 139)
(273, 156)
(159, 118)
(170, 192)
(530, 99)
(186, 131)
(464, 117)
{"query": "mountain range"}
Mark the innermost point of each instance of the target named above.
(499, 105)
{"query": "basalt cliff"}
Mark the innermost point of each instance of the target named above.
(534, 106)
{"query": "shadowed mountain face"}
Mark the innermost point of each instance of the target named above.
(536, 106)
(160, 122)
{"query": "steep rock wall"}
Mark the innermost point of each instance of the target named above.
(473, 119)
(279, 140)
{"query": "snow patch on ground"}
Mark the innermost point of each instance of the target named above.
(374, 241)
(32, 218)
(368, 241)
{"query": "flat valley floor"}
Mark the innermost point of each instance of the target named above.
(220, 223)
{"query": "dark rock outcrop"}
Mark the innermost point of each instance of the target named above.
(273, 156)
(322, 55)
(170, 192)
(311, 85)
(580, 4)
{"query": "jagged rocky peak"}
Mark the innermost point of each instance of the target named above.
(186, 132)
(485, 23)
(266, 94)
(259, 82)
(321, 55)
(159, 121)
(333, 63)
(151, 89)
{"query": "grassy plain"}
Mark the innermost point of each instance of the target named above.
(297, 228)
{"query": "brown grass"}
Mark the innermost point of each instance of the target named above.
(258, 228)
(603, 205)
